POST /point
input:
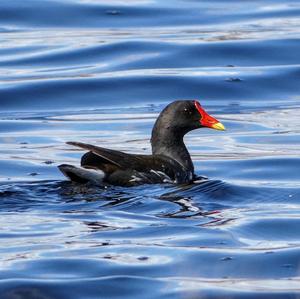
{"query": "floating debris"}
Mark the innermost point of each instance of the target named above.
(227, 258)
(221, 243)
(33, 173)
(48, 162)
(143, 258)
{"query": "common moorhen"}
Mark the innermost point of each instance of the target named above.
(170, 160)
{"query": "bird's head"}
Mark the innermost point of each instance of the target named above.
(187, 115)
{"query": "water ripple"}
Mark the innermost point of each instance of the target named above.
(99, 72)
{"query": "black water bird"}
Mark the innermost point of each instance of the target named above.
(170, 160)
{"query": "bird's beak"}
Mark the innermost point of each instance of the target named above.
(218, 126)
(207, 120)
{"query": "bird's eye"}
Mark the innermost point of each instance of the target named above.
(187, 111)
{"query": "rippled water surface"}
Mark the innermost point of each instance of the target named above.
(100, 72)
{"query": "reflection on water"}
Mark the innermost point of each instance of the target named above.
(100, 72)
(237, 236)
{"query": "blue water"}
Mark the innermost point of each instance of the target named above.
(99, 72)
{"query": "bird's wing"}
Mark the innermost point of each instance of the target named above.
(119, 159)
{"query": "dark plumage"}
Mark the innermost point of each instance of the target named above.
(170, 160)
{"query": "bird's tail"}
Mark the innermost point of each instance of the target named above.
(81, 174)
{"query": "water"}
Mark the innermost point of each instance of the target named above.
(100, 72)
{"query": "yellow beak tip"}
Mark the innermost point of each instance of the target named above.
(218, 126)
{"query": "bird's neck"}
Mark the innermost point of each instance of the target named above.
(169, 142)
